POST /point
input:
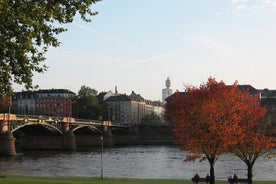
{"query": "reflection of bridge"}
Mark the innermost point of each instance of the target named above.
(40, 132)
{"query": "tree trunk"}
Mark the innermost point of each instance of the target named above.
(249, 173)
(212, 171)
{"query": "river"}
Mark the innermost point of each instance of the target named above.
(129, 162)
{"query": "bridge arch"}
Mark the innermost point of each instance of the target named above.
(36, 129)
(87, 130)
(119, 130)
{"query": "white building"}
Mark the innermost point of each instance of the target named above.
(130, 109)
(25, 102)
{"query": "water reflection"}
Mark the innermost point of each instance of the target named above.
(132, 162)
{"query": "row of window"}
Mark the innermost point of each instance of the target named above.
(54, 110)
(49, 105)
(41, 101)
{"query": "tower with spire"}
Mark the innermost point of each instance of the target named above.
(167, 91)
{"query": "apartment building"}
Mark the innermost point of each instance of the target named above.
(268, 99)
(24, 103)
(130, 109)
(54, 102)
(48, 102)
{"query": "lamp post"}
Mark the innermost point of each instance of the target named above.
(101, 156)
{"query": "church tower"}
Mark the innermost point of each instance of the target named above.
(167, 91)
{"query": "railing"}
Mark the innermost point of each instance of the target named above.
(15, 120)
(52, 119)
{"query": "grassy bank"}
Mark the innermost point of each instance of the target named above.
(18, 179)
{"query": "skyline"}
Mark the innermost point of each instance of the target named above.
(135, 45)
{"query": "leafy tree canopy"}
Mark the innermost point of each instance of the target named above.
(256, 137)
(27, 29)
(214, 117)
(88, 104)
(151, 119)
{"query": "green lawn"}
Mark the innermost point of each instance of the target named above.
(18, 179)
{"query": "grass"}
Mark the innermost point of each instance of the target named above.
(18, 179)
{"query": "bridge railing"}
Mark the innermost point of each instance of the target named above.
(88, 120)
(38, 118)
(56, 119)
(16, 120)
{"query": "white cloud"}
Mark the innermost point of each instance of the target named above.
(274, 5)
(239, 1)
(241, 7)
(244, 7)
(218, 48)
(267, 1)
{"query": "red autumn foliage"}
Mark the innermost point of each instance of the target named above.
(255, 138)
(211, 118)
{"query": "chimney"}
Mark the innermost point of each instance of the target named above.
(116, 91)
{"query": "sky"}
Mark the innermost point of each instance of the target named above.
(136, 44)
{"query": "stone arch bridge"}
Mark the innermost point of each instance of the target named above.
(66, 133)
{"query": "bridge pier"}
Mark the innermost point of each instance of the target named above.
(68, 141)
(7, 144)
(69, 138)
(108, 138)
(7, 141)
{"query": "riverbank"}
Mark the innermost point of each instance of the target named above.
(19, 179)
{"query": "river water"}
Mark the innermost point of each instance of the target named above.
(129, 162)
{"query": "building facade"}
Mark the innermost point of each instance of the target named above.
(130, 109)
(48, 102)
(54, 102)
(268, 100)
(24, 102)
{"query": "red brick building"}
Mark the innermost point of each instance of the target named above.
(47, 102)
(54, 102)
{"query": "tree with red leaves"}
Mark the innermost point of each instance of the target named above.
(208, 120)
(256, 138)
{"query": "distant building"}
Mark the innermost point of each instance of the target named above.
(54, 102)
(130, 109)
(167, 91)
(252, 91)
(48, 102)
(268, 99)
(24, 102)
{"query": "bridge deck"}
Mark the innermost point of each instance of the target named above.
(52, 119)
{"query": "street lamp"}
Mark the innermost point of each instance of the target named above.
(101, 156)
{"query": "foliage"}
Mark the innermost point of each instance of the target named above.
(27, 29)
(88, 106)
(208, 119)
(257, 138)
(151, 119)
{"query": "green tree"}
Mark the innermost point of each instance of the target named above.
(151, 119)
(88, 106)
(27, 30)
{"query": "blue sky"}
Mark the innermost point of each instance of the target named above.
(136, 44)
